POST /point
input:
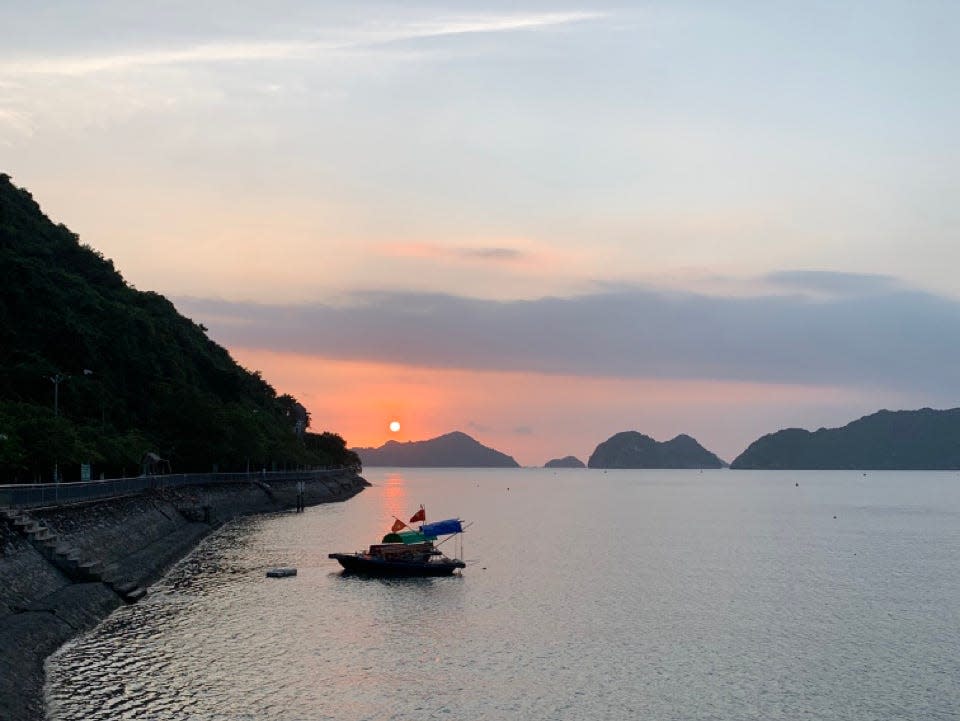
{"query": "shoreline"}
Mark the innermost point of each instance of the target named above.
(116, 548)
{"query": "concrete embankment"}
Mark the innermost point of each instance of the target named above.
(64, 569)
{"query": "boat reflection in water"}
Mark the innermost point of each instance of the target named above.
(407, 552)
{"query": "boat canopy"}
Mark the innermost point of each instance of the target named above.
(442, 528)
(409, 537)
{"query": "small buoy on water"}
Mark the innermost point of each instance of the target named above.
(834, 518)
(797, 485)
(281, 572)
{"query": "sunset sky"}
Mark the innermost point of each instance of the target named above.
(539, 223)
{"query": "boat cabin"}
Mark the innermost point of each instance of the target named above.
(403, 551)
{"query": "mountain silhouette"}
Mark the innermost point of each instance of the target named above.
(451, 450)
(924, 439)
(631, 449)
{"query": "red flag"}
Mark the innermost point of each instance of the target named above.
(398, 526)
(420, 515)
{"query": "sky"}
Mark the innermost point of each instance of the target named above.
(538, 223)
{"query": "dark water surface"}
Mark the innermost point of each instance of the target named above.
(629, 594)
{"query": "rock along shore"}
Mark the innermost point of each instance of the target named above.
(64, 569)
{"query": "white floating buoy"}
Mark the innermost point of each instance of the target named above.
(281, 572)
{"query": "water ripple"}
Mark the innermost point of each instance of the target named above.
(623, 595)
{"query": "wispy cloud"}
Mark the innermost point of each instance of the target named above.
(832, 283)
(491, 253)
(17, 122)
(897, 339)
(205, 53)
(351, 39)
(481, 24)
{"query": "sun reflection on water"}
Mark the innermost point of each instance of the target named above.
(395, 502)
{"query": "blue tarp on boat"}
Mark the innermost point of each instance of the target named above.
(442, 528)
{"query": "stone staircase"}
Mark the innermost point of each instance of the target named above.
(66, 558)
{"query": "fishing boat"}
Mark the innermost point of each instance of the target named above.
(407, 552)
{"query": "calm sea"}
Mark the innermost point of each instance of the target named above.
(588, 595)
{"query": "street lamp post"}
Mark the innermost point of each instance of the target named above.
(56, 379)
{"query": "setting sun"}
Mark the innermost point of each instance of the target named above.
(394, 426)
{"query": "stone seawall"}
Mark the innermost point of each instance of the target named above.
(64, 569)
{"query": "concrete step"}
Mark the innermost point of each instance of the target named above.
(44, 534)
(70, 560)
(90, 567)
(91, 570)
(22, 521)
(47, 551)
(125, 588)
(135, 595)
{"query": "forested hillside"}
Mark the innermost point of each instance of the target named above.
(135, 375)
(924, 439)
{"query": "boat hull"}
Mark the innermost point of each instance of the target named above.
(379, 567)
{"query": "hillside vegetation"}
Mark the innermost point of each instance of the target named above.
(137, 376)
(924, 439)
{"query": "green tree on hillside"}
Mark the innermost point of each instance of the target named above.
(138, 375)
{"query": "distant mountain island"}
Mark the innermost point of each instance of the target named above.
(924, 439)
(452, 450)
(631, 449)
(565, 462)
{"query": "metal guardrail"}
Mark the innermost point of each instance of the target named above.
(34, 495)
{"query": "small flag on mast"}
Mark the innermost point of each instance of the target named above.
(420, 515)
(398, 526)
